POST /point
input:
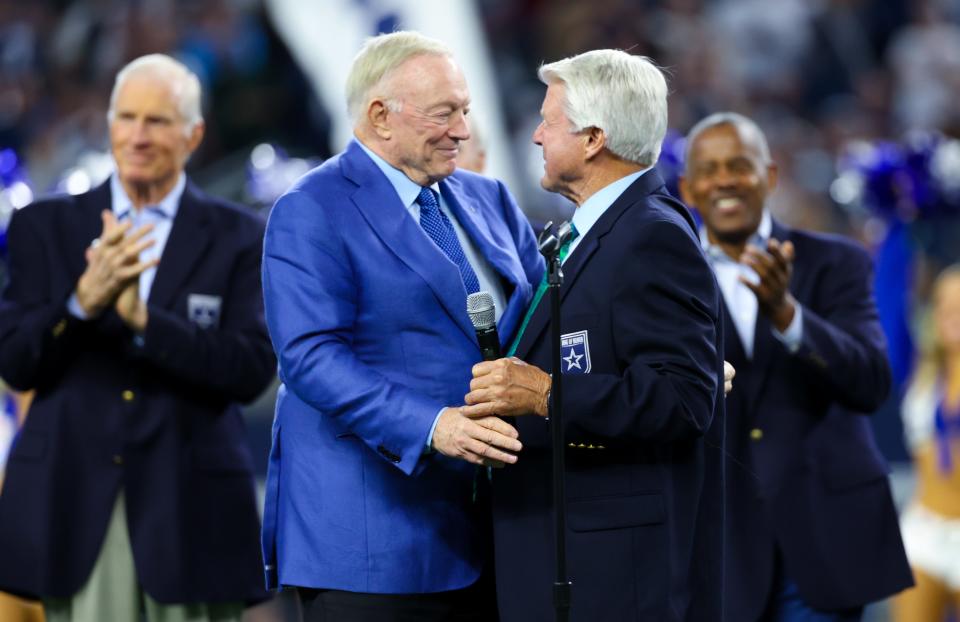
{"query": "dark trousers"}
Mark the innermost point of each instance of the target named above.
(477, 603)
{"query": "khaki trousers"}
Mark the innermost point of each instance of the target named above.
(112, 592)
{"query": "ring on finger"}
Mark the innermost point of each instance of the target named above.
(95, 242)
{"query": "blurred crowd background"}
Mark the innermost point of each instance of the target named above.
(859, 99)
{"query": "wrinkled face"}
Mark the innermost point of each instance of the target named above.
(432, 120)
(727, 181)
(563, 149)
(148, 135)
(946, 312)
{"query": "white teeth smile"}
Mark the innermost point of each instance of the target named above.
(727, 203)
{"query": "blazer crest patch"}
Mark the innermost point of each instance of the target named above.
(575, 353)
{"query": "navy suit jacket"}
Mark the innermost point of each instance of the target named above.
(807, 477)
(160, 420)
(636, 413)
(369, 320)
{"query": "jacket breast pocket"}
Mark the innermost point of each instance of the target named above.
(619, 512)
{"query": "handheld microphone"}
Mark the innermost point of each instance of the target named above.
(482, 314)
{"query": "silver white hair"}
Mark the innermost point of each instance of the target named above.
(746, 127)
(183, 83)
(377, 59)
(621, 94)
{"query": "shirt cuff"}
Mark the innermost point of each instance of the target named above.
(73, 306)
(429, 447)
(793, 336)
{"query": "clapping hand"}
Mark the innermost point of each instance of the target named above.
(774, 266)
(113, 264)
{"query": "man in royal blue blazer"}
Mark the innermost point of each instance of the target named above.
(375, 506)
(133, 311)
(812, 530)
(643, 373)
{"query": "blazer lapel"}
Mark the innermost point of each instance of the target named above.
(573, 266)
(377, 201)
(190, 236)
(765, 346)
(732, 344)
(469, 217)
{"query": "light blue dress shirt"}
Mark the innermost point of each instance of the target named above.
(740, 299)
(589, 213)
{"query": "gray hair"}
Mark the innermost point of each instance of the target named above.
(745, 126)
(623, 95)
(378, 58)
(183, 83)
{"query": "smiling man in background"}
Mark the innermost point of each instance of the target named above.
(811, 527)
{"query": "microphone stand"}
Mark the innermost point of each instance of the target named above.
(550, 246)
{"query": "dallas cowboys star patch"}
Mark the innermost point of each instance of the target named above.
(575, 353)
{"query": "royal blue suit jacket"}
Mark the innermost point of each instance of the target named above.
(368, 318)
(644, 504)
(159, 420)
(807, 477)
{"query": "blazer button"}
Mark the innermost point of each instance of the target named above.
(58, 328)
(128, 395)
(756, 434)
(118, 459)
(386, 453)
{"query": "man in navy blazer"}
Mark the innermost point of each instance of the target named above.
(131, 480)
(375, 507)
(812, 530)
(643, 373)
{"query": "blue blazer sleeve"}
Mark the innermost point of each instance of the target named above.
(311, 296)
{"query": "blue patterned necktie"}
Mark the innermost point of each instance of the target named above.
(440, 230)
(541, 289)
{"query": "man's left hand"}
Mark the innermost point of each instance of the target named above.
(131, 309)
(508, 388)
(774, 266)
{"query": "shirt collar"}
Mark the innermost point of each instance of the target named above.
(759, 238)
(406, 188)
(167, 207)
(593, 208)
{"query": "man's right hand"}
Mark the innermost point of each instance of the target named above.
(487, 441)
(112, 264)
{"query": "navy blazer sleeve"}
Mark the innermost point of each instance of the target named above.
(664, 325)
(34, 340)
(843, 347)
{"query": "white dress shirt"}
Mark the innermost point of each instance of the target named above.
(741, 301)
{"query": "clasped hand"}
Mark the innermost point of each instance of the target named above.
(113, 271)
(475, 432)
(508, 388)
